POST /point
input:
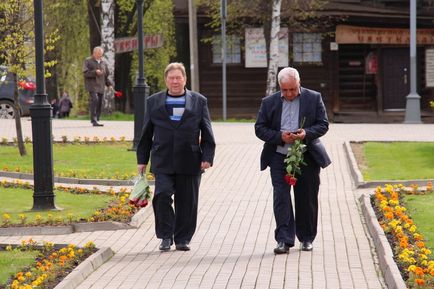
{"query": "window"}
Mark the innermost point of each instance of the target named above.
(233, 51)
(306, 47)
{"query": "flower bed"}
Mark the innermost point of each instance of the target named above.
(411, 255)
(50, 267)
(119, 209)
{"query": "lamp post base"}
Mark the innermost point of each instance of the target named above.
(412, 109)
(43, 196)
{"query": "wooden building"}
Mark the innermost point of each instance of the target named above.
(360, 63)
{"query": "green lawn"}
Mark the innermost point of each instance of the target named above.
(405, 161)
(398, 161)
(421, 208)
(20, 201)
(13, 261)
(101, 160)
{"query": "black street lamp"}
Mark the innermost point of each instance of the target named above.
(140, 90)
(40, 111)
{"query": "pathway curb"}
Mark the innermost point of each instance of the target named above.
(388, 266)
(136, 221)
(87, 267)
(361, 183)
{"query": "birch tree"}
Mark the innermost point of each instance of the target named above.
(107, 42)
(273, 60)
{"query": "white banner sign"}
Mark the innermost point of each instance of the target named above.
(429, 67)
(256, 52)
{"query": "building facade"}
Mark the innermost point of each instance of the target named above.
(360, 62)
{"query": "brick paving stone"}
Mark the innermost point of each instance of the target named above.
(234, 241)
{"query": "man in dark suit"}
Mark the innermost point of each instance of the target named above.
(178, 137)
(278, 125)
(96, 74)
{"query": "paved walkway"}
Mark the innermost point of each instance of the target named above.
(233, 244)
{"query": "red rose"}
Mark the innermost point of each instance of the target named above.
(143, 203)
(290, 180)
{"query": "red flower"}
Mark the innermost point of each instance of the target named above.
(290, 180)
(143, 203)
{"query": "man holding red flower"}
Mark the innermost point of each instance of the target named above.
(279, 125)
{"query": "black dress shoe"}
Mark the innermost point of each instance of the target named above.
(182, 246)
(165, 245)
(306, 246)
(281, 248)
(97, 124)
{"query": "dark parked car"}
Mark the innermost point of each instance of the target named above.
(26, 91)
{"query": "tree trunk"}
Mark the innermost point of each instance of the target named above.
(17, 113)
(107, 42)
(94, 16)
(273, 61)
(123, 81)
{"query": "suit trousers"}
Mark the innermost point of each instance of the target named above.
(95, 103)
(304, 223)
(178, 223)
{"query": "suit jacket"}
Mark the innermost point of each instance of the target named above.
(267, 126)
(92, 81)
(176, 146)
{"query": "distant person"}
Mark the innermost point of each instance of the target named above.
(96, 74)
(178, 137)
(55, 107)
(65, 105)
(293, 113)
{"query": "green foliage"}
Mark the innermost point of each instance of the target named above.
(158, 20)
(297, 15)
(294, 158)
(399, 160)
(17, 43)
(70, 17)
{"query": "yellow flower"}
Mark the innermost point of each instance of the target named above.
(9, 248)
(411, 268)
(28, 274)
(413, 229)
(89, 245)
(423, 256)
(393, 202)
(417, 236)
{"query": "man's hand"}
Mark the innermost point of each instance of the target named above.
(98, 72)
(205, 165)
(141, 169)
(290, 137)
